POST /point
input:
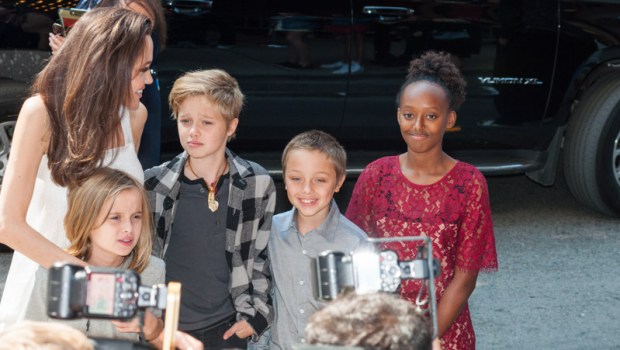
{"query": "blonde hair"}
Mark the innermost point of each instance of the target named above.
(30, 335)
(86, 203)
(219, 87)
(317, 140)
(377, 321)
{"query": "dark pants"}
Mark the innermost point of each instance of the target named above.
(213, 337)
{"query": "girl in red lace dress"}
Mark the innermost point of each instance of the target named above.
(426, 192)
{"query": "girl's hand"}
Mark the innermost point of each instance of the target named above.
(242, 329)
(130, 326)
(455, 298)
(436, 344)
(182, 341)
(153, 326)
(56, 41)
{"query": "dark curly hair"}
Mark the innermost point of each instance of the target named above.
(438, 68)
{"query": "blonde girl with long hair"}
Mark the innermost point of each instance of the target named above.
(108, 224)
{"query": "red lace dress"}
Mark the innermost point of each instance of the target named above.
(454, 212)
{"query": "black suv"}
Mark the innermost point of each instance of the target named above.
(543, 79)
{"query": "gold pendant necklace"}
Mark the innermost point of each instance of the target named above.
(212, 203)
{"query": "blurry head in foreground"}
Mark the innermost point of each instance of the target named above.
(373, 321)
(30, 335)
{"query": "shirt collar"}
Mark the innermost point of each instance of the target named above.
(326, 229)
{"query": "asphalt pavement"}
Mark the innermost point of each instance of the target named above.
(558, 285)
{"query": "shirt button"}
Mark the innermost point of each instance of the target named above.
(301, 283)
(304, 252)
(202, 190)
(303, 340)
(301, 311)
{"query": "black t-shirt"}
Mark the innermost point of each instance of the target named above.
(196, 255)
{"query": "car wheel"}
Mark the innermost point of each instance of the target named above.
(6, 134)
(592, 148)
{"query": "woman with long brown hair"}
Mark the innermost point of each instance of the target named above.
(151, 137)
(84, 113)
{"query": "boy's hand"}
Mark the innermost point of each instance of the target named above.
(242, 329)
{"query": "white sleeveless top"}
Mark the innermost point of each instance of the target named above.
(46, 214)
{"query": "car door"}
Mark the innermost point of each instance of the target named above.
(506, 51)
(261, 44)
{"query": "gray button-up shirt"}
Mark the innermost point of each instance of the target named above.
(292, 255)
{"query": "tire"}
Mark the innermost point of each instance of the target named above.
(592, 148)
(6, 134)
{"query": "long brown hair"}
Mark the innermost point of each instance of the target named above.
(154, 9)
(85, 203)
(85, 85)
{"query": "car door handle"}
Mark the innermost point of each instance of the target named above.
(388, 11)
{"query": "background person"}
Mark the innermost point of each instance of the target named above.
(298, 21)
(212, 211)
(424, 191)
(351, 25)
(85, 113)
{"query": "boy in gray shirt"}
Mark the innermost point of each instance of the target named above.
(314, 166)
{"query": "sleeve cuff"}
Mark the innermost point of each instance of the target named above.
(259, 323)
